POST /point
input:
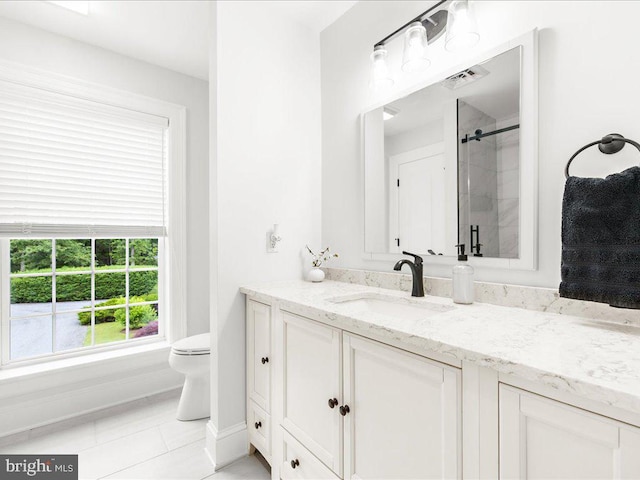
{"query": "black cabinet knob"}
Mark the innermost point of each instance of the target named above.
(333, 402)
(265, 360)
(295, 463)
(344, 410)
(258, 425)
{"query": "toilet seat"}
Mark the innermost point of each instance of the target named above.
(192, 346)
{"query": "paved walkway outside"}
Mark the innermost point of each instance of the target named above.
(32, 336)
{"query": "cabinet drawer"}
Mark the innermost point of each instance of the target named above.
(306, 465)
(259, 426)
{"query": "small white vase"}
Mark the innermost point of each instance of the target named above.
(315, 275)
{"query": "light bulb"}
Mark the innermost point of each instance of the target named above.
(414, 57)
(462, 29)
(380, 75)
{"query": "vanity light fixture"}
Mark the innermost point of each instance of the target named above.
(462, 29)
(380, 74)
(426, 28)
(414, 58)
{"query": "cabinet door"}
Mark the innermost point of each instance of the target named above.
(259, 353)
(546, 439)
(312, 366)
(404, 414)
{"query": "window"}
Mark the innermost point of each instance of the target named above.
(67, 294)
(91, 196)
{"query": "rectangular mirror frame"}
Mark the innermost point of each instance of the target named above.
(528, 233)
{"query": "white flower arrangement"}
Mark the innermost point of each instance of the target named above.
(320, 258)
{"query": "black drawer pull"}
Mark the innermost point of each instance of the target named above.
(295, 463)
(258, 425)
(265, 360)
(344, 410)
(333, 402)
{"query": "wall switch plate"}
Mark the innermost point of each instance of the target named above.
(273, 238)
(272, 247)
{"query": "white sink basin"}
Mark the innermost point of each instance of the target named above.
(401, 308)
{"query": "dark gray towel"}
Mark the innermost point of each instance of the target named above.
(601, 239)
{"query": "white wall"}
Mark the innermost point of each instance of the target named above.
(34, 47)
(415, 138)
(585, 92)
(265, 169)
(377, 200)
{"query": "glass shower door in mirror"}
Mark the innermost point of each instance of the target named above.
(489, 164)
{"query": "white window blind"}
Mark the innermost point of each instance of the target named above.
(70, 166)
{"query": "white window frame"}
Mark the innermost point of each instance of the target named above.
(172, 289)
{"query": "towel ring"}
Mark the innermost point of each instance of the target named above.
(612, 143)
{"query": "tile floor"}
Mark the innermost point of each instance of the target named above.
(136, 441)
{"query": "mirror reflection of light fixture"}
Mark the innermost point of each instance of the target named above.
(414, 58)
(380, 74)
(419, 33)
(462, 29)
(388, 113)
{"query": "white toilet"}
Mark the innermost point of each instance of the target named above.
(190, 356)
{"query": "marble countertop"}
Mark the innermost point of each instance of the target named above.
(596, 360)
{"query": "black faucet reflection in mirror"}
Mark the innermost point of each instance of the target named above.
(416, 273)
(475, 244)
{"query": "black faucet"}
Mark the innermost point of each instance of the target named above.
(416, 272)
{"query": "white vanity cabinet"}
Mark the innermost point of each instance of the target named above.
(365, 409)
(259, 362)
(327, 401)
(544, 438)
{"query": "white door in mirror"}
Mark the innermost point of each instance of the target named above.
(417, 212)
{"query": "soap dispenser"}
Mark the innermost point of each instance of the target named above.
(462, 279)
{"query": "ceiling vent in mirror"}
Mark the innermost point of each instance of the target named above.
(465, 77)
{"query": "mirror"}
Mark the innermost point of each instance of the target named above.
(442, 166)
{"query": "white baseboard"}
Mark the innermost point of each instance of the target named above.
(66, 393)
(226, 446)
